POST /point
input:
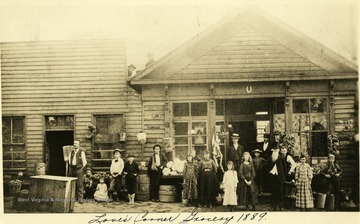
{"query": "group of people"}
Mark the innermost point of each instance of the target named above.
(268, 168)
(100, 192)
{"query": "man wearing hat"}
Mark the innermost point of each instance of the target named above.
(131, 70)
(131, 171)
(235, 151)
(259, 163)
(276, 169)
(77, 162)
(156, 164)
(116, 169)
(265, 147)
(332, 172)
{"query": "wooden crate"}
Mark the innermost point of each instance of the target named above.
(52, 194)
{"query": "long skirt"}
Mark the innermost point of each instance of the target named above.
(248, 194)
(209, 188)
(304, 197)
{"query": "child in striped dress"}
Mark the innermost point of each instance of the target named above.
(303, 177)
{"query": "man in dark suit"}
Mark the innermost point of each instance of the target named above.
(235, 151)
(276, 168)
(265, 147)
(156, 164)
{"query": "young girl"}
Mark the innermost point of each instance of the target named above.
(131, 170)
(248, 192)
(303, 176)
(230, 182)
(190, 176)
(101, 193)
(209, 188)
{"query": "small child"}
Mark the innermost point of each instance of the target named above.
(303, 177)
(230, 182)
(259, 163)
(131, 171)
(190, 176)
(101, 193)
(88, 184)
(248, 191)
(116, 169)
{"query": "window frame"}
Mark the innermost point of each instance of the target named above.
(112, 145)
(310, 131)
(14, 169)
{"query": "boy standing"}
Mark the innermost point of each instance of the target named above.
(116, 169)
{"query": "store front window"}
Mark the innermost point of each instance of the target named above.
(190, 129)
(310, 126)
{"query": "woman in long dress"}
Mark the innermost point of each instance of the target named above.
(190, 176)
(303, 177)
(230, 182)
(248, 190)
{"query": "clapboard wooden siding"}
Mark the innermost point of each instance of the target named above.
(80, 78)
(248, 53)
(345, 126)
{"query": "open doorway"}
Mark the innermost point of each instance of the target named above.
(55, 140)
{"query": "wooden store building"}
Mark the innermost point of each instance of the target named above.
(249, 73)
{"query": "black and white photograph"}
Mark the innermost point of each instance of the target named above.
(180, 112)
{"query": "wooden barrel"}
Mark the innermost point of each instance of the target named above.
(40, 169)
(167, 193)
(143, 188)
(320, 200)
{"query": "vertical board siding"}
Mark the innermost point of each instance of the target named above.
(80, 78)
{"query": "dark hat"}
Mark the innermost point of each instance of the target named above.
(130, 155)
(256, 150)
(156, 145)
(235, 135)
(331, 155)
(117, 150)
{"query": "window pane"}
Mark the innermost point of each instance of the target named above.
(300, 106)
(300, 122)
(200, 151)
(19, 156)
(318, 105)
(18, 131)
(19, 164)
(115, 126)
(6, 130)
(301, 143)
(7, 156)
(319, 144)
(102, 129)
(181, 152)
(200, 128)
(181, 109)
(198, 109)
(219, 107)
(181, 128)
(181, 140)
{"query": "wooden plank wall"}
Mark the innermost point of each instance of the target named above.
(153, 100)
(345, 126)
(79, 78)
(249, 54)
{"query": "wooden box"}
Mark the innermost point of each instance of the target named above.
(52, 194)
